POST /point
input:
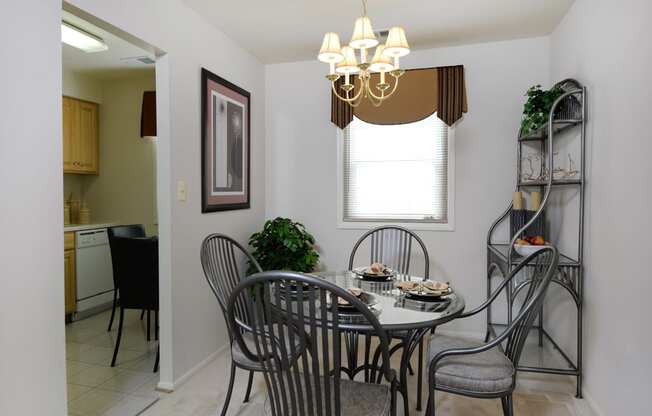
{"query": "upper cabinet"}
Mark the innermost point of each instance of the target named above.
(80, 136)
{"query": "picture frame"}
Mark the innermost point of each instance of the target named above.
(225, 144)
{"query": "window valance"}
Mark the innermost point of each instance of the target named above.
(421, 93)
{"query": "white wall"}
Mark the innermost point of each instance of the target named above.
(81, 86)
(605, 45)
(125, 189)
(197, 328)
(302, 143)
(32, 357)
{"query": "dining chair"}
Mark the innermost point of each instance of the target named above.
(488, 370)
(225, 263)
(393, 247)
(136, 261)
(294, 334)
(133, 230)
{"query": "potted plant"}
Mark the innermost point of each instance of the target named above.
(537, 108)
(284, 245)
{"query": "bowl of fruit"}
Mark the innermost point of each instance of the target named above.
(530, 245)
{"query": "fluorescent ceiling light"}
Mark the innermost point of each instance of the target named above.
(80, 39)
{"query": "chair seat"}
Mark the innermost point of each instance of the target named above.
(241, 359)
(359, 399)
(486, 372)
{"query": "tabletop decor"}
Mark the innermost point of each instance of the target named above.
(284, 244)
(343, 61)
(225, 144)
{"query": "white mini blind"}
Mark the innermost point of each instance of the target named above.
(396, 172)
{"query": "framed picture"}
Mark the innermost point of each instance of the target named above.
(225, 144)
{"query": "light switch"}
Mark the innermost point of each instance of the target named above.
(181, 191)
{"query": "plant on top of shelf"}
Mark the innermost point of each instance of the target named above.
(284, 245)
(537, 107)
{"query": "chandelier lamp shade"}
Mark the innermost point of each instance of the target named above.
(357, 72)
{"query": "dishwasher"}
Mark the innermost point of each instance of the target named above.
(94, 272)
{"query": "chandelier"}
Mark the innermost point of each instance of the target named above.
(343, 61)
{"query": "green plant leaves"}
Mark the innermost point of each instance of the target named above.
(284, 245)
(537, 107)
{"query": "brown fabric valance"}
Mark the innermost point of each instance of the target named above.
(420, 93)
(341, 112)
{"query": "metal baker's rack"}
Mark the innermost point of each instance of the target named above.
(567, 112)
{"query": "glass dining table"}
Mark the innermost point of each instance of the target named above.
(401, 316)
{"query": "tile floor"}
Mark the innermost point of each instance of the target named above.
(204, 393)
(94, 388)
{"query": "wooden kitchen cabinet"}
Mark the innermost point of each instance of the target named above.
(80, 136)
(70, 281)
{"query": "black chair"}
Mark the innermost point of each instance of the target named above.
(136, 261)
(294, 333)
(392, 246)
(488, 370)
(134, 230)
(225, 263)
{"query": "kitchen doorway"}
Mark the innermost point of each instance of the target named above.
(113, 177)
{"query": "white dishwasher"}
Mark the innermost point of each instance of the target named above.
(94, 271)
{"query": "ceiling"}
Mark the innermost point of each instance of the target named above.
(118, 61)
(291, 30)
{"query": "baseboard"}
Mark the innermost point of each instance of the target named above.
(168, 387)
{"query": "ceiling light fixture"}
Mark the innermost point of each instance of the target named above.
(343, 61)
(80, 39)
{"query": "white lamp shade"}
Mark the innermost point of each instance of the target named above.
(363, 34)
(350, 64)
(330, 49)
(380, 61)
(396, 44)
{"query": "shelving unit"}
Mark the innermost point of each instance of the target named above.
(567, 112)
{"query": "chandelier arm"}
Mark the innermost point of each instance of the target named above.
(348, 99)
(384, 96)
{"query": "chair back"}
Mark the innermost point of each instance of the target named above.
(133, 230)
(296, 332)
(543, 266)
(225, 263)
(136, 263)
(392, 246)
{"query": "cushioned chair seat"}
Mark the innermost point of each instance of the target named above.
(360, 399)
(487, 372)
(240, 358)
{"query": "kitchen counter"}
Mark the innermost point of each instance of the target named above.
(82, 227)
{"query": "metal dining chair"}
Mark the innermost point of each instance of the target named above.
(488, 371)
(225, 263)
(392, 246)
(294, 334)
(133, 230)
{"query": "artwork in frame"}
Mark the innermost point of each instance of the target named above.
(225, 144)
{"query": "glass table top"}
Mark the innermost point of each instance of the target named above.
(392, 308)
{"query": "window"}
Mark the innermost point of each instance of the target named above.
(396, 174)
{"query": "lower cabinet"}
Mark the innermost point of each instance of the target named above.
(70, 273)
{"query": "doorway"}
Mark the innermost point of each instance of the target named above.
(113, 176)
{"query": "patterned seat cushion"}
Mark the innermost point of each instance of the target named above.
(241, 359)
(357, 399)
(486, 372)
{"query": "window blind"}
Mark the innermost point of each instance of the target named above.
(396, 172)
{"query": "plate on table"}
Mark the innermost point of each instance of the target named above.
(344, 306)
(425, 291)
(379, 273)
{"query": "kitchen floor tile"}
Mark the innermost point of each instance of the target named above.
(127, 381)
(94, 376)
(130, 406)
(76, 390)
(95, 402)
